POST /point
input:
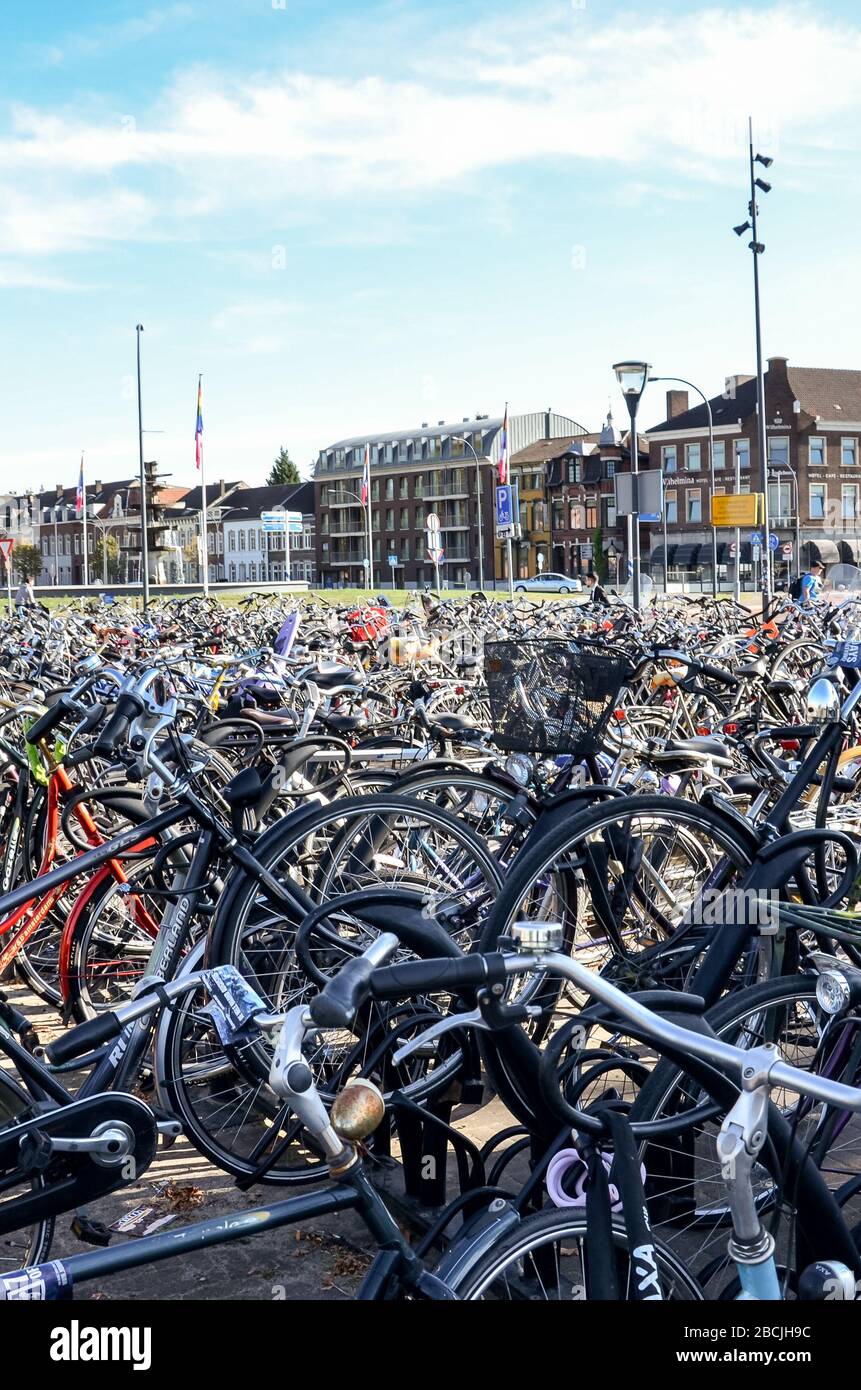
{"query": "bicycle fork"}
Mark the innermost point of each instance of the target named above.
(739, 1143)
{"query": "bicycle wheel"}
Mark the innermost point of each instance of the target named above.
(351, 846)
(545, 1259)
(626, 880)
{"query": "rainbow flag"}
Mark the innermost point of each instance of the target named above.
(366, 476)
(79, 495)
(198, 429)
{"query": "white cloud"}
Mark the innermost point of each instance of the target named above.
(657, 96)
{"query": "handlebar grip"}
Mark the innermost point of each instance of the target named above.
(127, 708)
(47, 722)
(419, 976)
(84, 1038)
(338, 1002)
(717, 673)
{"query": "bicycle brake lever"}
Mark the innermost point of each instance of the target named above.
(472, 1019)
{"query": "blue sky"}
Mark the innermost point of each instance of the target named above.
(361, 216)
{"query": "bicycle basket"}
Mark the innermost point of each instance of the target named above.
(551, 696)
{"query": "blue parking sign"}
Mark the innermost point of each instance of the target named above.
(504, 505)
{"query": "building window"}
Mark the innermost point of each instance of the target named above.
(609, 468)
(778, 451)
(742, 453)
(693, 457)
(231, 542)
(390, 489)
(695, 508)
(719, 453)
(390, 518)
(405, 518)
(818, 501)
(672, 505)
(816, 450)
(420, 518)
(669, 458)
(779, 503)
(375, 490)
(404, 487)
(849, 452)
(573, 471)
(849, 501)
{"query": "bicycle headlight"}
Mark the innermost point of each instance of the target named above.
(833, 992)
(520, 768)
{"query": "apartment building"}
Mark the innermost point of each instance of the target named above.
(448, 469)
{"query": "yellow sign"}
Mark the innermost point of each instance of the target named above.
(736, 509)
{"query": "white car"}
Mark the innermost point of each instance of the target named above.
(548, 584)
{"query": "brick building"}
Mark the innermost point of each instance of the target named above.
(813, 431)
(567, 494)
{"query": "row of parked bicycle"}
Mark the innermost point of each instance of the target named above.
(306, 882)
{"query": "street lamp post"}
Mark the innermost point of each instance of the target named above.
(712, 481)
(479, 460)
(757, 248)
(632, 378)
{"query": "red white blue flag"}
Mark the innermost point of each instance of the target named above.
(79, 495)
(503, 449)
(366, 476)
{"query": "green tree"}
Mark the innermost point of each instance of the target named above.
(27, 560)
(283, 470)
(599, 559)
(106, 562)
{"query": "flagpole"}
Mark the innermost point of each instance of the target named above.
(509, 551)
(84, 519)
(204, 525)
(367, 480)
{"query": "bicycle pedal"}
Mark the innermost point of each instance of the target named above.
(90, 1232)
(35, 1151)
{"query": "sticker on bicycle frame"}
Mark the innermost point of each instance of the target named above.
(37, 1283)
(233, 1004)
(847, 655)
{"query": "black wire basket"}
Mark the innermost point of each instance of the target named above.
(552, 696)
